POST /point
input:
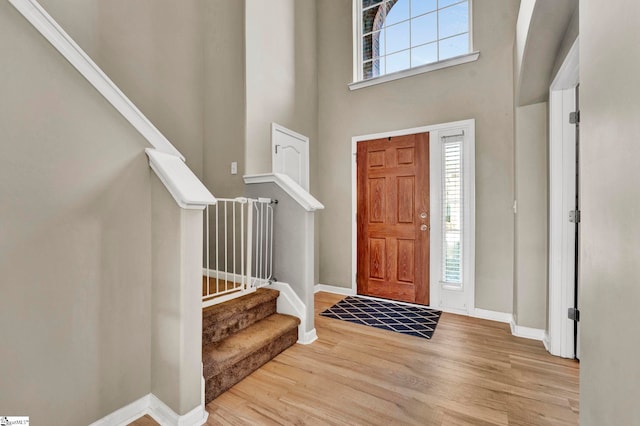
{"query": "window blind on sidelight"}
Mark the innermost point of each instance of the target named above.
(452, 209)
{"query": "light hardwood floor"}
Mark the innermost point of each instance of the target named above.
(472, 372)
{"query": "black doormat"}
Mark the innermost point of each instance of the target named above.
(414, 320)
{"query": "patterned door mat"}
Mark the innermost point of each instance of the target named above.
(414, 320)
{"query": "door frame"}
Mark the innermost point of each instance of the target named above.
(434, 206)
(561, 193)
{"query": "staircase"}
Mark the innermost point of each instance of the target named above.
(241, 335)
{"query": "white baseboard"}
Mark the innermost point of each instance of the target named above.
(308, 337)
(126, 414)
(334, 289)
(527, 332)
(492, 315)
(158, 410)
(504, 317)
(166, 416)
(289, 303)
(516, 330)
(451, 310)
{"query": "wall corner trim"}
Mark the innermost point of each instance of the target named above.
(492, 315)
(546, 341)
(183, 185)
(308, 337)
(153, 406)
(295, 191)
(166, 416)
(527, 332)
(61, 41)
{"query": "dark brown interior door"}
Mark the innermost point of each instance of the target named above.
(393, 218)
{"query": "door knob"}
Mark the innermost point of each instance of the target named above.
(423, 215)
(423, 227)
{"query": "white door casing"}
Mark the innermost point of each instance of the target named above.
(290, 154)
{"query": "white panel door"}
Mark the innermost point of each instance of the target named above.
(290, 154)
(562, 232)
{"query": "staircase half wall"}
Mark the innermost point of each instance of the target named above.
(294, 242)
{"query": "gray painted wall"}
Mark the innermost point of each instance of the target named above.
(292, 245)
(153, 51)
(75, 229)
(531, 224)
(224, 103)
(570, 35)
(224, 108)
(75, 251)
(176, 303)
(610, 194)
(281, 77)
(482, 90)
(548, 25)
(547, 45)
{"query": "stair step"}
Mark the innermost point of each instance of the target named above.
(225, 319)
(230, 360)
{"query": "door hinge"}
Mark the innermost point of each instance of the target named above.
(276, 148)
(574, 216)
(574, 117)
(574, 314)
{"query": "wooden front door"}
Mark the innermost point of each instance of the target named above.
(393, 218)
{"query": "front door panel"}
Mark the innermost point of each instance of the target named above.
(393, 218)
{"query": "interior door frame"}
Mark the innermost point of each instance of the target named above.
(562, 193)
(434, 203)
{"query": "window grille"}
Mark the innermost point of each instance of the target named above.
(401, 34)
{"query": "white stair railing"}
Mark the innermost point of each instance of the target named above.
(238, 248)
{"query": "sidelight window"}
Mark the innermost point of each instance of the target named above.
(452, 209)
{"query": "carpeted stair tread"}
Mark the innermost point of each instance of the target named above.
(220, 356)
(228, 309)
(225, 319)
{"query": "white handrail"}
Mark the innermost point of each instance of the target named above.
(298, 193)
(188, 191)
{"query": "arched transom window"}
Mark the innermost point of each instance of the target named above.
(396, 35)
